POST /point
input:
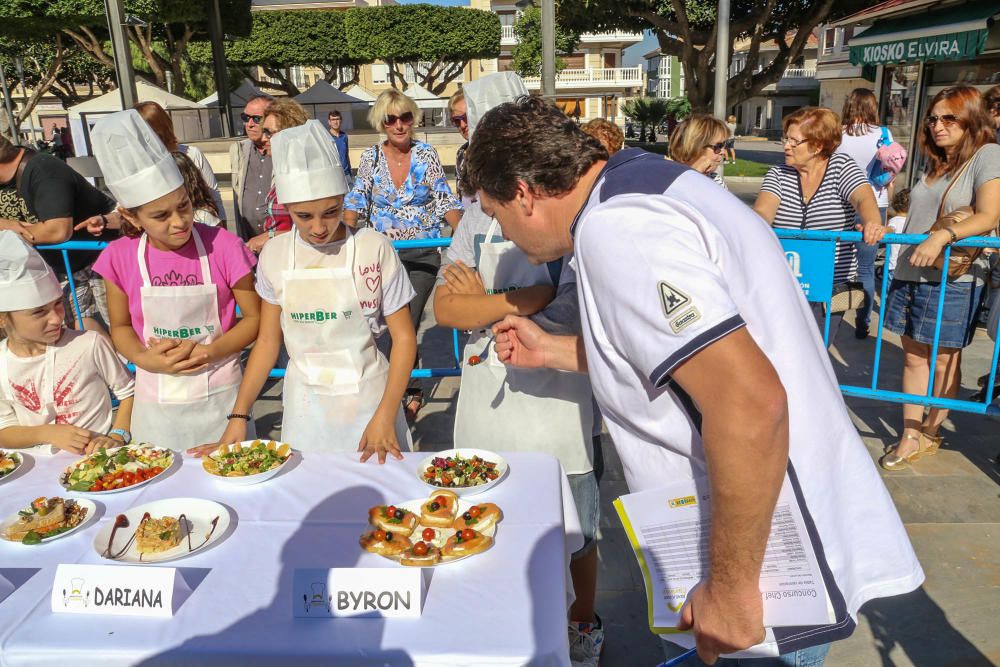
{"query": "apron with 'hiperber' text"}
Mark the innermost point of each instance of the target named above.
(336, 375)
(182, 411)
(502, 408)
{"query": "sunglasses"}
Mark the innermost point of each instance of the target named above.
(716, 148)
(947, 120)
(247, 118)
(406, 118)
(458, 120)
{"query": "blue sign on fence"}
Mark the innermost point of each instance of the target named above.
(812, 265)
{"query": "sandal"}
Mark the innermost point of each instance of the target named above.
(893, 462)
(929, 444)
(412, 402)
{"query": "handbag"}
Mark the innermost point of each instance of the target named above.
(961, 259)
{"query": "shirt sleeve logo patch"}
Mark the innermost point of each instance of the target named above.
(672, 299)
(685, 319)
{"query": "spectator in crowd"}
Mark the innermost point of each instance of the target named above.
(700, 142)
(159, 120)
(458, 113)
(958, 140)
(401, 190)
(281, 115)
(897, 223)
(250, 166)
(818, 188)
(334, 120)
(992, 100)
(608, 133)
(44, 201)
(861, 137)
(731, 141)
(202, 197)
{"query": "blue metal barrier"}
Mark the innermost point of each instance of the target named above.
(452, 371)
(829, 239)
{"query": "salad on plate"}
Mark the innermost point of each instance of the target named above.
(108, 470)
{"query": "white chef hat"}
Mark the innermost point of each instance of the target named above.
(491, 91)
(305, 164)
(26, 281)
(137, 167)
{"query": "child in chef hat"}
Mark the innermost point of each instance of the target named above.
(329, 292)
(173, 289)
(54, 381)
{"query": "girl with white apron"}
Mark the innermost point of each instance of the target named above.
(179, 402)
(339, 393)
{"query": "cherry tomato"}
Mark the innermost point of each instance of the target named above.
(380, 535)
(474, 511)
(420, 549)
(442, 500)
(468, 534)
(474, 359)
(96, 486)
(429, 534)
(156, 470)
(107, 479)
(391, 511)
(129, 478)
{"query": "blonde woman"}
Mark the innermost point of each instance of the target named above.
(401, 190)
(699, 142)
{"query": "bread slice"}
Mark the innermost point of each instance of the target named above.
(378, 516)
(158, 535)
(432, 557)
(440, 510)
(455, 548)
(49, 514)
(392, 546)
(488, 516)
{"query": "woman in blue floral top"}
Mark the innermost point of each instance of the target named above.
(401, 190)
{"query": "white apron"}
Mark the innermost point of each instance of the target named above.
(182, 411)
(517, 409)
(47, 412)
(336, 376)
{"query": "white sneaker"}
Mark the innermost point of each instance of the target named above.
(586, 642)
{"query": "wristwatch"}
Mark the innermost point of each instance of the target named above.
(125, 435)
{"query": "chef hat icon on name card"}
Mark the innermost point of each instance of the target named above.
(305, 164)
(137, 167)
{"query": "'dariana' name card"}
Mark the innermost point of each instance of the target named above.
(119, 590)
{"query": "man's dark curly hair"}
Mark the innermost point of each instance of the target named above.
(528, 140)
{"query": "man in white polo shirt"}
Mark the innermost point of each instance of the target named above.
(704, 358)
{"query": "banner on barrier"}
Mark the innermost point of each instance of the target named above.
(812, 265)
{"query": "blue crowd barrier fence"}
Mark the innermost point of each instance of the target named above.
(811, 256)
(452, 371)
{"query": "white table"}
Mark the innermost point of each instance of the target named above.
(504, 607)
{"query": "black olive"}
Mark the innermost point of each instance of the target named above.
(458, 536)
(388, 537)
(467, 516)
(435, 507)
(399, 514)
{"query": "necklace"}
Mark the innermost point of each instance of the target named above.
(400, 156)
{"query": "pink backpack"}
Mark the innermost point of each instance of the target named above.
(890, 157)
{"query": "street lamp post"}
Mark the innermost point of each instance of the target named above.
(219, 67)
(721, 65)
(122, 53)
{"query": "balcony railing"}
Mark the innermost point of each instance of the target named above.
(799, 73)
(507, 35)
(592, 76)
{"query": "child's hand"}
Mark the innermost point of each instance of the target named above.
(173, 357)
(236, 431)
(68, 438)
(99, 441)
(380, 438)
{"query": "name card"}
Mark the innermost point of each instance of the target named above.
(373, 592)
(118, 590)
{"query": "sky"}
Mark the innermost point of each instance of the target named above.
(633, 54)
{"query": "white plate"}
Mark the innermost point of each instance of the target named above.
(198, 512)
(442, 533)
(465, 453)
(19, 461)
(82, 502)
(247, 480)
(65, 474)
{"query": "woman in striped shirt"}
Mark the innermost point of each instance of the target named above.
(818, 189)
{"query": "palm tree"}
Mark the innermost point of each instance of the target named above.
(646, 111)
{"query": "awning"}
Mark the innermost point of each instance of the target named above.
(953, 33)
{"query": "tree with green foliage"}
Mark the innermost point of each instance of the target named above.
(688, 29)
(679, 108)
(438, 42)
(647, 111)
(527, 54)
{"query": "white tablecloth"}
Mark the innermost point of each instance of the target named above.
(504, 607)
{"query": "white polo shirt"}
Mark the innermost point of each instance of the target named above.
(669, 263)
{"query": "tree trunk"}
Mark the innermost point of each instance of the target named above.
(45, 82)
(283, 85)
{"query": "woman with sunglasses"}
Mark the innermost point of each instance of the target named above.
(401, 190)
(962, 169)
(818, 188)
(700, 143)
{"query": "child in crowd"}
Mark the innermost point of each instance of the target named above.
(173, 288)
(54, 381)
(328, 292)
(202, 197)
(900, 208)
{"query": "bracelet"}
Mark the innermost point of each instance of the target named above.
(236, 415)
(123, 433)
(954, 236)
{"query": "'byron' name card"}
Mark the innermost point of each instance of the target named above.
(358, 592)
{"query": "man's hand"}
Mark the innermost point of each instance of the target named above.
(463, 280)
(520, 342)
(256, 243)
(95, 225)
(68, 438)
(723, 621)
(380, 438)
(18, 228)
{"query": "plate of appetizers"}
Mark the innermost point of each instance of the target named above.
(9, 463)
(465, 472)
(162, 530)
(119, 469)
(431, 531)
(249, 462)
(47, 519)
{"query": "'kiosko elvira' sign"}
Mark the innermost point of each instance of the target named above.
(952, 46)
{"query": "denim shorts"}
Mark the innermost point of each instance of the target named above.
(912, 309)
(813, 656)
(587, 498)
